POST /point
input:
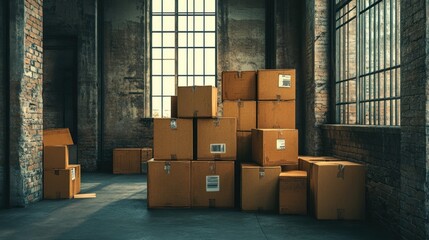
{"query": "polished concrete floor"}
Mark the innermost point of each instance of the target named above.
(119, 212)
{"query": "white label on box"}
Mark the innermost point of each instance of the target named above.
(73, 173)
(285, 81)
(218, 148)
(212, 183)
(281, 144)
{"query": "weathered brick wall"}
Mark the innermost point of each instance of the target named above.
(26, 102)
(316, 72)
(3, 106)
(414, 120)
(379, 149)
(124, 122)
(78, 18)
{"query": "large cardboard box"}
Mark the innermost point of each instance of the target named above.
(173, 139)
(216, 139)
(78, 180)
(127, 160)
(244, 146)
(259, 187)
(339, 190)
(197, 101)
(293, 192)
(239, 85)
(276, 114)
(277, 84)
(213, 184)
(59, 183)
(56, 143)
(169, 184)
(243, 111)
(274, 147)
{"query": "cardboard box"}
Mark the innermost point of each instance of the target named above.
(59, 183)
(173, 139)
(56, 143)
(169, 184)
(293, 192)
(276, 114)
(289, 166)
(216, 139)
(276, 84)
(239, 85)
(244, 146)
(127, 160)
(274, 147)
(147, 154)
(339, 190)
(197, 101)
(78, 180)
(259, 187)
(173, 107)
(213, 184)
(243, 111)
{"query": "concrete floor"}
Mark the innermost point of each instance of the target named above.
(119, 212)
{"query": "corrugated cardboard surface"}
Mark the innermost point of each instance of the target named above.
(55, 157)
(57, 136)
(224, 198)
(173, 107)
(268, 85)
(293, 192)
(276, 114)
(58, 184)
(289, 166)
(169, 184)
(244, 146)
(339, 190)
(198, 101)
(243, 111)
(259, 187)
(239, 85)
(265, 151)
(147, 154)
(216, 131)
(77, 181)
(173, 143)
(126, 160)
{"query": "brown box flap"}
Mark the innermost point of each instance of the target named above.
(57, 136)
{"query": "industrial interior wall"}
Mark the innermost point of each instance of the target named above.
(4, 79)
(77, 19)
(26, 102)
(124, 81)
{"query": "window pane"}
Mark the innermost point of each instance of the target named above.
(210, 61)
(156, 6)
(182, 61)
(169, 5)
(199, 39)
(210, 81)
(210, 23)
(210, 40)
(199, 23)
(183, 41)
(168, 67)
(169, 23)
(210, 6)
(156, 23)
(199, 61)
(156, 107)
(190, 61)
(156, 86)
(156, 40)
(169, 87)
(168, 40)
(169, 53)
(166, 104)
(156, 53)
(191, 23)
(182, 23)
(199, 6)
(182, 82)
(156, 67)
(182, 5)
(191, 5)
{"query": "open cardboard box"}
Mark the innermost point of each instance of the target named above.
(59, 150)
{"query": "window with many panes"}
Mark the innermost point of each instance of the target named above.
(183, 48)
(367, 62)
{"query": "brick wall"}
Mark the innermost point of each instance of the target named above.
(379, 149)
(26, 104)
(3, 106)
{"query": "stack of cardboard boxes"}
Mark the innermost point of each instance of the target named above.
(131, 160)
(61, 179)
(194, 155)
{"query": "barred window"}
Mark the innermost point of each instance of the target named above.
(367, 62)
(183, 48)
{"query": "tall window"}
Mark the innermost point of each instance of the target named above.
(367, 62)
(183, 48)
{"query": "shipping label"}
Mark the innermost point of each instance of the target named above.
(213, 183)
(73, 173)
(218, 148)
(285, 81)
(281, 144)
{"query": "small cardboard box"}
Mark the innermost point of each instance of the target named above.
(213, 184)
(274, 147)
(127, 160)
(56, 143)
(169, 184)
(293, 192)
(259, 187)
(276, 114)
(244, 146)
(239, 85)
(173, 139)
(243, 111)
(59, 183)
(197, 101)
(78, 180)
(216, 139)
(339, 190)
(276, 84)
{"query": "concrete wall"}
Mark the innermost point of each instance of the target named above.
(4, 195)
(78, 18)
(124, 88)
